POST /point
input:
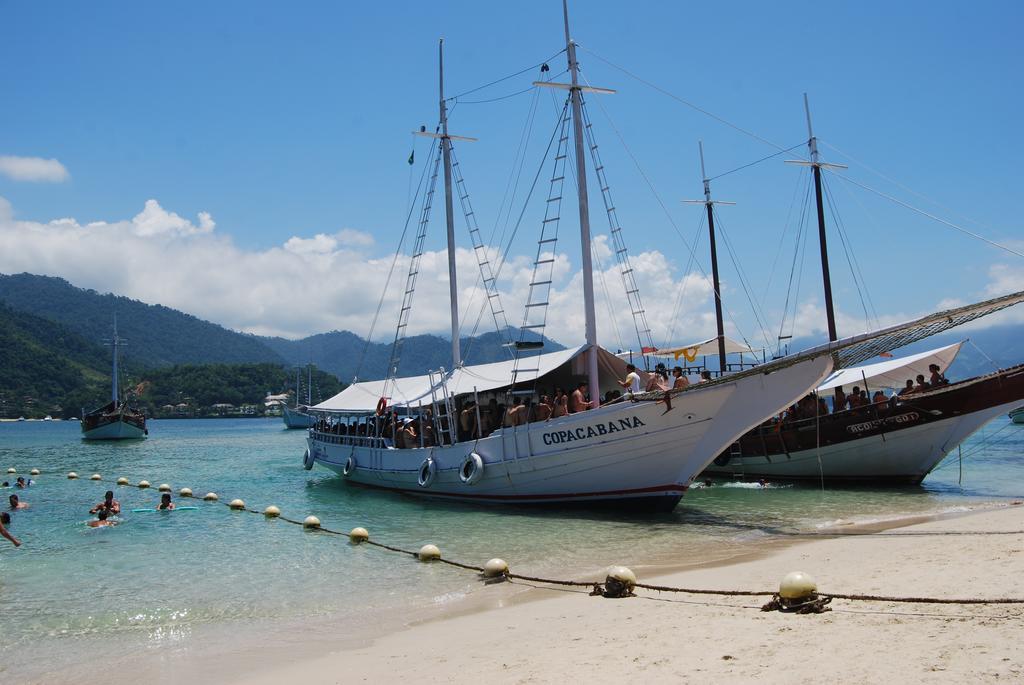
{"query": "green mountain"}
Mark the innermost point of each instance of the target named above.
(345, 354)
(47, 369)
(157, 335)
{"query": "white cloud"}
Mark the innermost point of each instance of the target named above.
(33, 169)
(333, 281)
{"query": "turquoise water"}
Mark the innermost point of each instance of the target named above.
(172, 585)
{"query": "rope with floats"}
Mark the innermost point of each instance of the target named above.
(798, 593)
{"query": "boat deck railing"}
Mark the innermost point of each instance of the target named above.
(356, 440)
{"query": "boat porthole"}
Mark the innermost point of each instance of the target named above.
(349, 468)
(472, 469)
(428, 470)
(689, 417)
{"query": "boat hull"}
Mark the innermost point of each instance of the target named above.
(897, 444)
(293, 418)
(114, 422)
(1017, 415)
(637, 455)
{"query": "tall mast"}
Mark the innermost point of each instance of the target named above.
(297, 386)
(446, 147)
(309, 385)
(812, 144)
(581, 180)
(709, 205)
(113, 344)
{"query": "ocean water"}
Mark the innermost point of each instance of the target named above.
(190, 585)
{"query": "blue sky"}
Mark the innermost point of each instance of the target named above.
(291, 120)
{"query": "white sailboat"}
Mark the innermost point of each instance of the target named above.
(641, 453)
(298, 416)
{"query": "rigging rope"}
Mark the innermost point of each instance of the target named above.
(930, 216)
(763, 159)
(851, 260)
(391, 270)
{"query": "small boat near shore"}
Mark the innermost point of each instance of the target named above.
(116, 420)
(298, 416)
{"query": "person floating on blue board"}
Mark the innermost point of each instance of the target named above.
(165, 503)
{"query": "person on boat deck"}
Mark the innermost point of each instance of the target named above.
(5, 520)
(560, 404)
(427, 429)
(679, 381)
(705, 377)
(409, 436)
(632, 381)
(493, 422)
(510, 413)
(467, 421)
(838, 400)
(921, 385)
(165, 503)
(16, 503)
(542, 410)
(822, 406)
(578, 402)
(109, 504)
(101, 519)
(936, 379)
(657, 381)
(879, 397)
(908, 389)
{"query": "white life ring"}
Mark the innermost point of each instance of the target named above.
(472, 469)
(349, 468)
(308, 460)
(428, 471)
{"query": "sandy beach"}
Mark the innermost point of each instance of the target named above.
(569, 636)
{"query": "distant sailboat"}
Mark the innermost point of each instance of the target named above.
(296, 417)
(115, 420)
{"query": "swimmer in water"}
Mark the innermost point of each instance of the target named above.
(109, 504)
(165, 503)
(5, 520)
(101, 520)
(708, 483)
(16, 503)
(763, 483)
(20, 483)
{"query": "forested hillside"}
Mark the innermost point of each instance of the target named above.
(157, 335)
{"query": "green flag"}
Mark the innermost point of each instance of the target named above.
(412, 156)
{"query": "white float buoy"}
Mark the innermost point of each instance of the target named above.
(95, 476)
(622, 575)
(311, 522)
(143, 484)
(164, 487)
(495, 567)
(237, 504)
(428, 553)
(797, 585)
(122, 481)
(211, 497)
(272, 512)
(12, 470)
(34, 472)
(358, 534)
(72, 475)
(185, 492)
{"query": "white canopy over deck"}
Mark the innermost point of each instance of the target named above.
(705, 347)
(415, 390)
(893, 373)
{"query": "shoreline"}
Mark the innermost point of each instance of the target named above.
(418, 646)
(572, 636)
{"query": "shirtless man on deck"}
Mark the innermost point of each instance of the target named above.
(578, 401)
